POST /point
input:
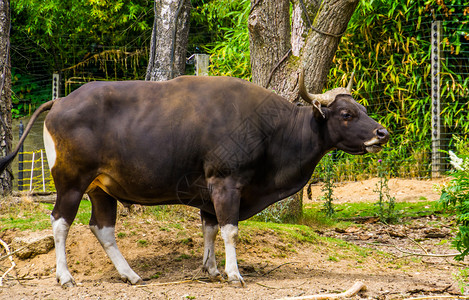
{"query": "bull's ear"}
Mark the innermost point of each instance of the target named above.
(318, 113)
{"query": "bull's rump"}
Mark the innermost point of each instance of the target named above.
(145, 141)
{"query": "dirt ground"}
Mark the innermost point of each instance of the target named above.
(168, 256)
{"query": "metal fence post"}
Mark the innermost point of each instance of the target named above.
(55, 86)
(20, 159)
(437, 165)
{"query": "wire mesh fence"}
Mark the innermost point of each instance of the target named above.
(396, 82)
(33, 172)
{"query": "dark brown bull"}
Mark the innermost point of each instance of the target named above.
(223, 145)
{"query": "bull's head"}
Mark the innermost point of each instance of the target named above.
(349, 127)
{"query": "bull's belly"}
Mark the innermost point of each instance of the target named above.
(186, 191)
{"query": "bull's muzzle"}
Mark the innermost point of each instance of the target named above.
(375, 144)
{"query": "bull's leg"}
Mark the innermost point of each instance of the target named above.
(210, 230)
(102, 224)
(229, 233)
(62, 217)
(226, 198)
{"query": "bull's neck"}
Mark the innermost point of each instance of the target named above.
(303, 144)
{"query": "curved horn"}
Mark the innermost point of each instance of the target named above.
(350, 83)
(303, 92)
(324, 99)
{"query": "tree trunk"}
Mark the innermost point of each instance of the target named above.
(169, 39)
(5, 94)
(280, 49)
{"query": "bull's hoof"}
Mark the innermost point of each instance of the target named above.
(135, 280)
(139, 282)
(236, 281)
(66, 280)
(68, 284)
(215, 278)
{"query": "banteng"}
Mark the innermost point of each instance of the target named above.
(223, 145)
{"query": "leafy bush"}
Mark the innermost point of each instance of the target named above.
(27, 94)
(456, 194)
(229, 48)
(386, 203)
(329, 186)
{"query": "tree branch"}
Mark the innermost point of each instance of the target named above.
(357, 287)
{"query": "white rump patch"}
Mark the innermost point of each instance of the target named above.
(50, 148)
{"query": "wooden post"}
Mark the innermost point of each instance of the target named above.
(201, 64)
(437, 164)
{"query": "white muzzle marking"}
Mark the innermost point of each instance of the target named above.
(373, 145)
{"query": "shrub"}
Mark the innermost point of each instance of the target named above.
(456, 194)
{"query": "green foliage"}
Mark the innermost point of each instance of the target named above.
(229, 49)
(462, 278)
(94, 23)
(456, 194)
(386, 203)
(26, 94)
(52, 36)
(387, 44)
(329, 186)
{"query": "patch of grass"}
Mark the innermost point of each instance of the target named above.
(176, 213)
(332, 258)
(187, 241)
(182, 256)
(289, 232)
(345, 211)
(176, 225)
(28, 215)
(313, 217)
(84, 212)
(142, 243)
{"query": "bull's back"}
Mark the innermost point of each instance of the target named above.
(149, 135)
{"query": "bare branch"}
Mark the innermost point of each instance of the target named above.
(5, 245)
(357, 287)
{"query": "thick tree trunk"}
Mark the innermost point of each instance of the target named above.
(280, 49)
(269, 37)
(169, 39)
(5, 94)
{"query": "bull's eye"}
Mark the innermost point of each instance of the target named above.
(346, 115)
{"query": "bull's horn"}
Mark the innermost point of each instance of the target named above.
(325, 99)
(350, 83)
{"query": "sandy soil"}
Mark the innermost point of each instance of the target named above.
(168, 255)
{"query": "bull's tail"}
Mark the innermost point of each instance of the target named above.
(9, 157)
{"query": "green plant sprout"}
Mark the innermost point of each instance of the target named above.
(328, 187)
(386, 203)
